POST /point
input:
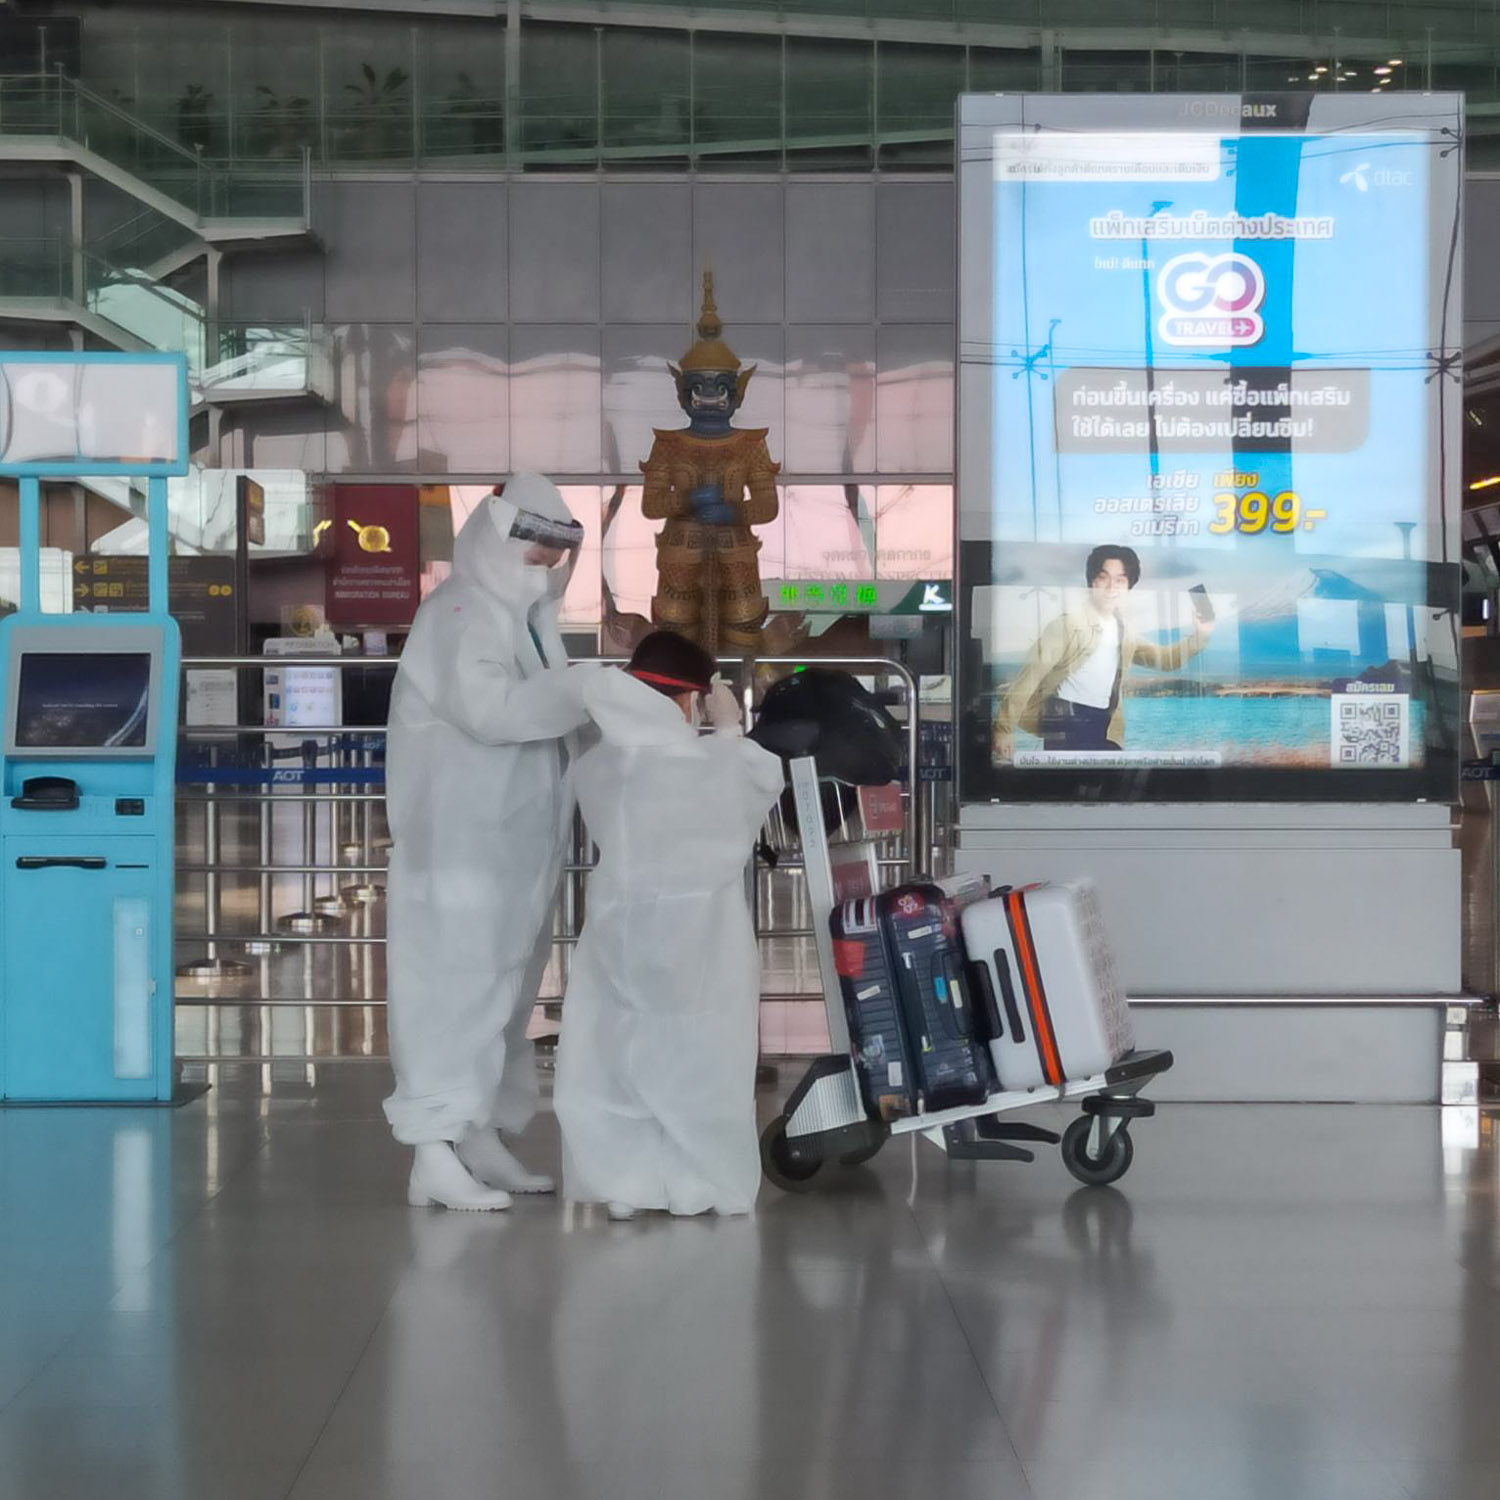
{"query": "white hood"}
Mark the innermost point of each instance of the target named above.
(629, 713)
(485, 553)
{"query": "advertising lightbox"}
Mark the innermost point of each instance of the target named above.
(1210, 397)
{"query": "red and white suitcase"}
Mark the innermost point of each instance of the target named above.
(1047, 990)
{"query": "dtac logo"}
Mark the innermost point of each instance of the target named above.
(1211, 301)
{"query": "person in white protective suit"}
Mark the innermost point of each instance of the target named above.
(480, 810)
(655, 1088)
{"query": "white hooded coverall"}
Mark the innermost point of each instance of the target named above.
(480, 811)
(655, 1086)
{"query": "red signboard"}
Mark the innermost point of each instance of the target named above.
(373, 578)
(880, 808)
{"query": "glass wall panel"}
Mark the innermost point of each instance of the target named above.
(368, 92)
(463, 400)
(376, 369)
(276, 93)
(827, 531)
(736, 99)
(830, 400)
(914, 531)
(829, 100)
(461, 92)
(629, 559)
(179, 79)
(647, 91)
(559, 93)
(914, 399)
(639, 392)
(918, 88)
(994, 70)
(1106, 72)
(555, 399)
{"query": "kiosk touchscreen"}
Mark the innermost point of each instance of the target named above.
(88, 756)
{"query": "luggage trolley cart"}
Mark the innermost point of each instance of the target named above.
(824, 1118)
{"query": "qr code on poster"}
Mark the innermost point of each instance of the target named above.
(1371, 731)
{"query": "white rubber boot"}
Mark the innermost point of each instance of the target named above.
(438, 1179)
(483, 1156)
(621, 1213)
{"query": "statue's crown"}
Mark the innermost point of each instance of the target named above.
(710, 352)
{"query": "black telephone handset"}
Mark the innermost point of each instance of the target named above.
(47, 794)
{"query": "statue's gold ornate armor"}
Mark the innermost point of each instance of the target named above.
(710, 483)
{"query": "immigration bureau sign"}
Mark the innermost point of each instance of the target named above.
(1209, 447)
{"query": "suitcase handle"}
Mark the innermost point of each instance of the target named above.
(1008, 990)
(978, 975)
(959, 1010)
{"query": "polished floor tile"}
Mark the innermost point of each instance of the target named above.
(1240, 1473)
(233, 1300)
(1441, 1480)
(61, 1478)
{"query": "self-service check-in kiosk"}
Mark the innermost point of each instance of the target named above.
(89, 753)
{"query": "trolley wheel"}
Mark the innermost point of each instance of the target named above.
(792, 1174)
(1096, 1171)
(859, 1157)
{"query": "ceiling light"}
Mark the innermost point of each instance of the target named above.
(1484, 484)
(1320, 70)
(1380, 71)
(1395, 62)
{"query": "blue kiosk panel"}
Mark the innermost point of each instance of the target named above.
(88, 755)
(86, 822)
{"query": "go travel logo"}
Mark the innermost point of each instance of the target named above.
(1211, 301)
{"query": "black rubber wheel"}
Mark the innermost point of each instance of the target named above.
(863, 1154)
(1092, 1172)
(791, 1174)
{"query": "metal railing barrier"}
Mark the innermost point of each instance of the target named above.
(283, 845)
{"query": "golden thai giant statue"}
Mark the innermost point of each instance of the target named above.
(710, 482)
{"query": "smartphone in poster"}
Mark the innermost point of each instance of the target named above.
(1216, 455)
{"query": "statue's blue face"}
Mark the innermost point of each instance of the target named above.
(710, 398)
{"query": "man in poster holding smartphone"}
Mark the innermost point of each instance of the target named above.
(1070, 690)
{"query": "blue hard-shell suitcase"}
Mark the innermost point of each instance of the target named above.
(872, 1004)
(952, 1065)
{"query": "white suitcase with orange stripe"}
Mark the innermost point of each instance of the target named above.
(1045, 985)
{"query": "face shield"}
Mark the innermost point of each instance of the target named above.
(549, 546)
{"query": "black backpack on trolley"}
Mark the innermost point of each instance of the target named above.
(831, 716)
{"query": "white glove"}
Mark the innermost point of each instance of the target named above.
(721, 707)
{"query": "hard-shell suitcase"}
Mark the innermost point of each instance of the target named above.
(952, 1069)
(1049, 998)
(872, 1004)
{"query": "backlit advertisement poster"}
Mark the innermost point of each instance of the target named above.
(1209, 456)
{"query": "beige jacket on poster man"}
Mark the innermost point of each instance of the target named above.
(1064, 645)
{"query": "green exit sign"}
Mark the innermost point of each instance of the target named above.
(843, 596)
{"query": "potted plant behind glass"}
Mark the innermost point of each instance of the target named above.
(378, 116)
(279, 127)
(195, 123)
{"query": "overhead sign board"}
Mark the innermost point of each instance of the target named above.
(106, 414)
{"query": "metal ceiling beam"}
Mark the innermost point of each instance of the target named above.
(931, 31)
